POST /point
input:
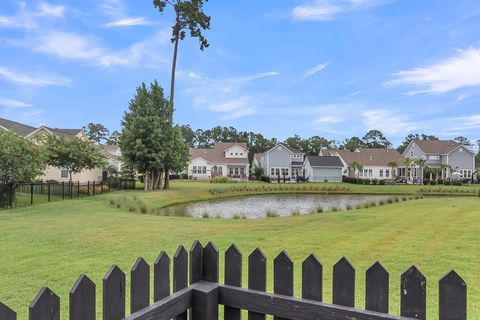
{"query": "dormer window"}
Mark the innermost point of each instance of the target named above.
(411, 153)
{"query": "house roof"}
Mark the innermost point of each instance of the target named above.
(68, 133)
(217, 153)
(292, 149)
(325, 161)
(18, 128)
(437, 146)
(367, 157)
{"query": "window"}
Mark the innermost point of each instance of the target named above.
(194, 169)
(434, 157)
(204, 170)
(277, 171)
(220, 170)
(242, 171)
(387, 173)
(241, 153)
(231, 153)
(411, 153)
(230, 171)
(64, 174)
(381, 173)
(236, 153)
(236, 171)
(370, 172)
(272, 171)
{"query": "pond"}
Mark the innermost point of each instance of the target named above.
(262, 206)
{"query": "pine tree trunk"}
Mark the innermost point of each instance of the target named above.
(172, 96)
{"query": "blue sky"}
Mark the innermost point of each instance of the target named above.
(334, 68)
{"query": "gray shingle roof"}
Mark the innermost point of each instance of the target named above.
(325, 161)
(437, 146)
(18, 128)
(292, 149)
(217, 153)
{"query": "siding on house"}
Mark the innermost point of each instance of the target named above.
(323, 168)
(280, 159)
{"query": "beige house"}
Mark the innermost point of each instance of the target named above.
(224, 159)
(53, 173)
(374, 162)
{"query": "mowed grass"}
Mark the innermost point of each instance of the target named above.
(51, 244)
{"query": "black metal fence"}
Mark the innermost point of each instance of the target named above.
(196, 290)
(38, 192)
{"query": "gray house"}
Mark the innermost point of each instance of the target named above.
(459, 158)
(282, 160)
(323, 168)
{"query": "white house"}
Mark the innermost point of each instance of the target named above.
(113, 154)
(375, 162)
(224, 159)
(323, 168)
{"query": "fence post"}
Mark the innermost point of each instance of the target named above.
(48, 189)
(70, 183)
(63, 190)
(88, 188)
(205, 302)
(11, 194)
(31, 194)
(78, 189)
(101, 186)
(94, 188)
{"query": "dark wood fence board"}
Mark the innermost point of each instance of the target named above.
(312, 279)
(140, 285)
(180, 274)
(161, 277)
(196, 262)
(210, 263)
(45, 306)
(83, 299)
(413, 293)
(376, 288)
(233, 277)
(114, 294)
(6, 313)
(452, 297)
(257, 277)
(283, 276)
(344, 283)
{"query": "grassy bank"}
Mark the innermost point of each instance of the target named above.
(51, 244)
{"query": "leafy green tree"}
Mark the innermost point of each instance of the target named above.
(75, 155)
(21, 160)
(96, 132)
(257, 171)
(352, 144)
(188, 135)
(421, 163)
(113, 138)
(415, 136)
(355, 167)
(464, 141)
(149, 143)
(407, 162)
(376, 139)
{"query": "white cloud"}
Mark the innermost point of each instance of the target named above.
(315, 70)
(46, 9)
(128, 22)
(457, 72)
(78, 47)
(31, 19)
(36, 80)
(354, 94)
(13, 104)
(390, 123)
(325, 10)
(329, 119)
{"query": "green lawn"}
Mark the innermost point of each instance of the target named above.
(51, 244)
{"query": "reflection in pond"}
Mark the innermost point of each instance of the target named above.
(254, 207)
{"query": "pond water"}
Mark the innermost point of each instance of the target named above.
(261, 206)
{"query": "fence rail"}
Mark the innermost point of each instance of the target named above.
(38, 192)
(196, 291)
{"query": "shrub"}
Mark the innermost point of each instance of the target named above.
(295, 212)
(381, 202)
(220, 180)
(389, 200)
(236, 216)
(205, 215)
(272, 214)
(426, 181)
(366, 205)
(433, 182)
(334, 209)
(319, 209)
(374, 181)
(381, 182)
(348, 207)
(372, 204)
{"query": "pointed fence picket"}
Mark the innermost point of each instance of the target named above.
(196, 291)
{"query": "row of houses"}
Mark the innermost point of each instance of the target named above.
(231, 159)
(111, 152)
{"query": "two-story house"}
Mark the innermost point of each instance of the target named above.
(53, 173)
(223, 159)
(455, 159)
(283, 160)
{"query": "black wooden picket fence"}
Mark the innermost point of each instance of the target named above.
(204, 294)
